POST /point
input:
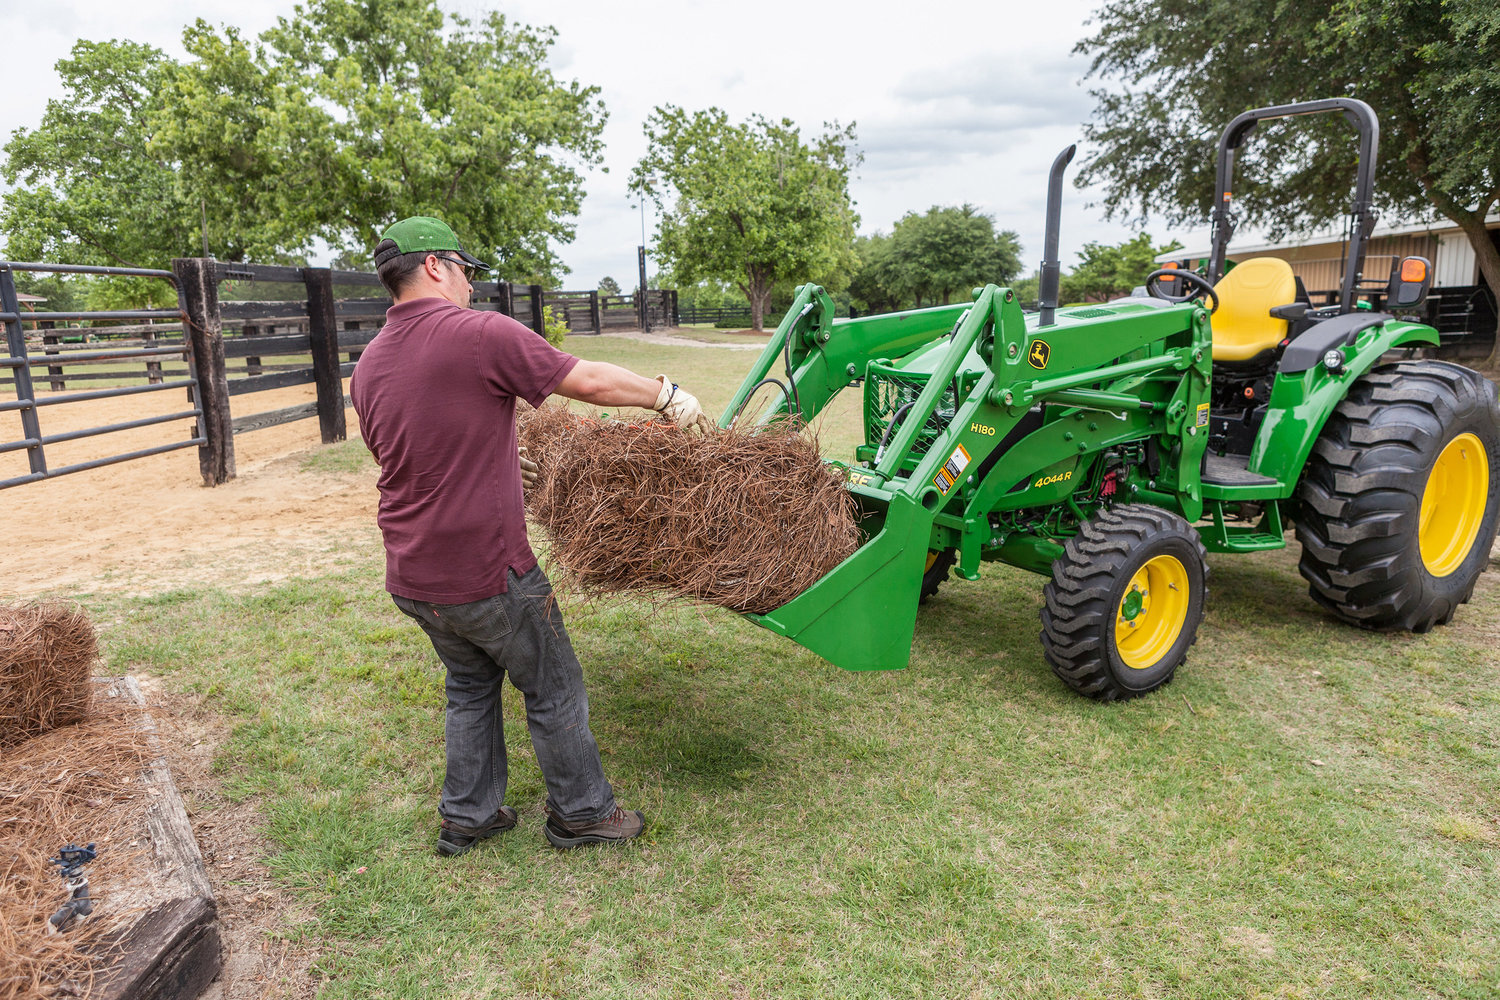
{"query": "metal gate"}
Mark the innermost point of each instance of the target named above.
(28, 405)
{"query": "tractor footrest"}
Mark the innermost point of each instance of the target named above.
(1240, 540)
(1232, 470)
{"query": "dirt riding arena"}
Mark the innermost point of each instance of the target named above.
(149, 525)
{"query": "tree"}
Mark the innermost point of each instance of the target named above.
(1430, 70)
(335, 123)
(1028, 289)
(608, 286)
(931, 257)
(709, 293)
(442, 116)
(750, 203)
(1105, 271)
(951, 250)
(89, 188)
(877, 284)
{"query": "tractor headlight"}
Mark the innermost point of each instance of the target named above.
(1334, 361)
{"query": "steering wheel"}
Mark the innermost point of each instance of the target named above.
(1203, 286)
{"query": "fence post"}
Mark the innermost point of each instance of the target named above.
(538, 321)
(594, 319)
(354, 352)
(53, 371)
(198, 297)
(252, 364)
(675, 316)
(15, 341)
(153, 366)
(506, 299)
(323, 336)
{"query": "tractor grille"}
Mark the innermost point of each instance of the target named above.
(888, 390)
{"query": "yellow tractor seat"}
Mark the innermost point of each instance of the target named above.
(1243, 326)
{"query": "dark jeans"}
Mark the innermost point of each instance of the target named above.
(519, 633)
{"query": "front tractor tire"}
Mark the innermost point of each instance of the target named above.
(1125, 602)
(1398, 501)
(936, 571)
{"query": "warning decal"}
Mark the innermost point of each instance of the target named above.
(1202, 414)
(951, 470)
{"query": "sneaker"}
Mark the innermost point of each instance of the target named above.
(617, 826)
(454, 840)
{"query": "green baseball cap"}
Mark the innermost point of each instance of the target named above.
(422, 234)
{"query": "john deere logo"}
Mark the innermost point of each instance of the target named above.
(1040, 352)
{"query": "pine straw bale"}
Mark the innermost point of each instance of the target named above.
(47, 652)
(743, 519)
(80, 784)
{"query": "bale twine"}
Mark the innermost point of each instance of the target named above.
(743, 519)
(47, 653)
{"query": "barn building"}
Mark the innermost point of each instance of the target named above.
(1461, 305)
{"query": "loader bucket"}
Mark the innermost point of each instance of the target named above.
(863, 614)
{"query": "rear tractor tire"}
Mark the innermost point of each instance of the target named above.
(1125, 602)
(1398, 501)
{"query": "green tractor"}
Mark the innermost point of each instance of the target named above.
(1111, 447)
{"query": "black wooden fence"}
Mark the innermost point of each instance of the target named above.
(718, 314)
(249, 328)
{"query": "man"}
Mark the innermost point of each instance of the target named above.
(436, 396)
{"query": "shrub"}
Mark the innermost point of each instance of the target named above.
(555, 325)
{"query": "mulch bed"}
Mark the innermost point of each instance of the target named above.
(83, 767)
(79, 784)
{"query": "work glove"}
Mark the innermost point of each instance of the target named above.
(528, 470)
(680, 406)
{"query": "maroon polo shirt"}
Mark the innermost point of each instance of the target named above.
(436, 396)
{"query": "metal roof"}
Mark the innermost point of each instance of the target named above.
(1435, 227)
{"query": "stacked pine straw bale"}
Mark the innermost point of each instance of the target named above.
(47, 653)
(66, 774)
(743, 519)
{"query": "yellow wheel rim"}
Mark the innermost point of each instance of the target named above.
(1152, 612)
(1453, 503)
(931, 558)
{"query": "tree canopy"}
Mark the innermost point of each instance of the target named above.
(341, 119)
(89, 188)
(1430, 70)
(749, 202)
(1106, 270)
(931, 257)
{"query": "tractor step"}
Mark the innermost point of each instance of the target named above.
(1232, 470)
(1220, 535)
(1226, 477)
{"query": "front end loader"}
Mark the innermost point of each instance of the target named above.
(1110, 447)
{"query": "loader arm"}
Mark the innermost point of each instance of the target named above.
(937, 476)
(826, 352)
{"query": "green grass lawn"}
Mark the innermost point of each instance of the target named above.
(1307, 811)
(709, 334)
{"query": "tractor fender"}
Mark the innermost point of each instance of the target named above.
(1302, 401)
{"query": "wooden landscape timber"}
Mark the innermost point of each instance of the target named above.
(172, 950)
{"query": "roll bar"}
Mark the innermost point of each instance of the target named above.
(1362, 117)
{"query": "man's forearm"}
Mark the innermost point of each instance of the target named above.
(604, 384)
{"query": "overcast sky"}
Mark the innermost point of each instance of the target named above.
(953, 101)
